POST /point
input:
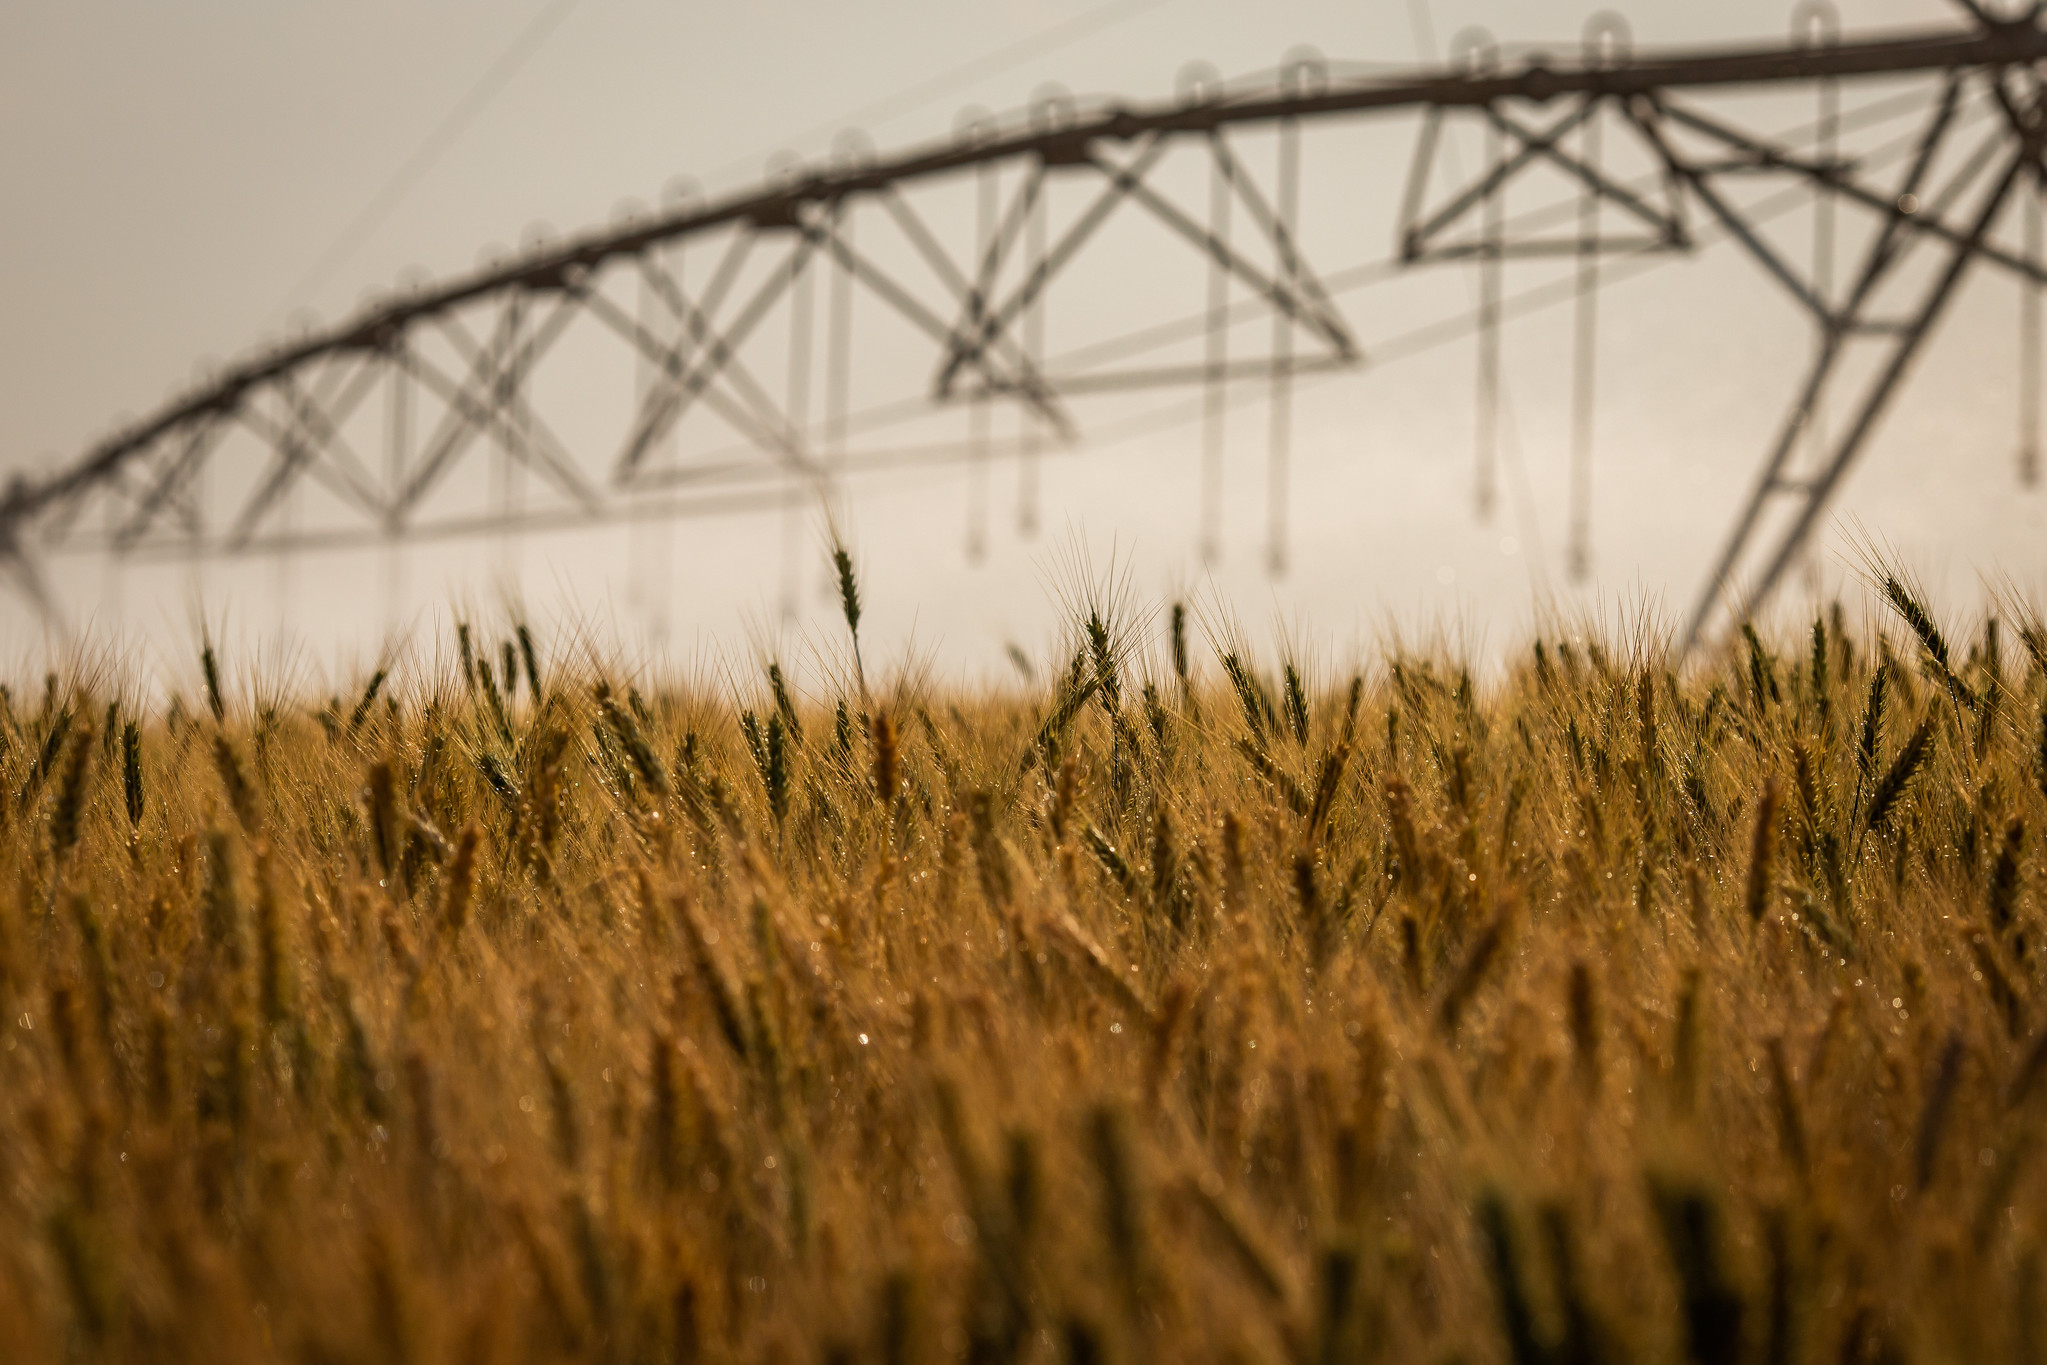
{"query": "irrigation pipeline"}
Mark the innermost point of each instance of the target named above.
(1536, 78)
(810, 204)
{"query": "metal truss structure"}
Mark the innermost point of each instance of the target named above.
(429, 413)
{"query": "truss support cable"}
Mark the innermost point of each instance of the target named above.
(1490, 269)
(1585, 350)
(1823, 235)
(508, 494)
(802, 308)
(398, 415)
(287, 504)
(838, 375)
(1028, 460)
(838, 346)
(1287, 268)
(648, 311)
(1815, 21)
(636, 534)
(987, 191)
(2029, 347)
(1214, 405)
(796, 412)
(660, 567)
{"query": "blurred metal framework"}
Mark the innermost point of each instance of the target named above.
(464, 354)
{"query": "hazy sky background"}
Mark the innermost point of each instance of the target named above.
(174, 171)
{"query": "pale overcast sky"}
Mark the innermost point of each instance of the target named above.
(174, 172)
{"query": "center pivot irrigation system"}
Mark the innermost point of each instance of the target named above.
(441, 410)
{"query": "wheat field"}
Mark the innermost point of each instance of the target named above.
(1175, 1006)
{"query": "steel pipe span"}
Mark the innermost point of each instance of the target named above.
(1644, 94)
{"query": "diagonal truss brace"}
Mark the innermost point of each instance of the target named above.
(753, 415)
(681, 384)
(1420, 231)
(490, 402)
(970, 349)
(972, 299)
(176, 475)
(1295, 291)
(1809, 497)
(312, 429)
